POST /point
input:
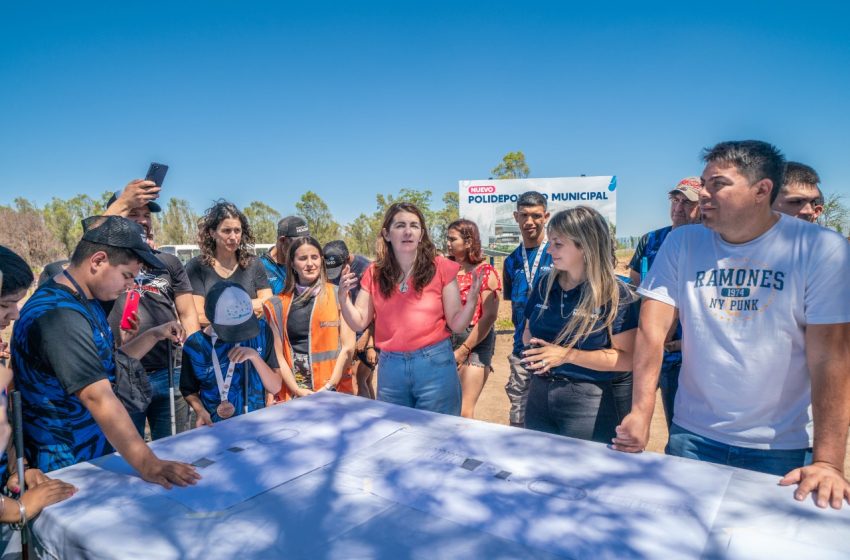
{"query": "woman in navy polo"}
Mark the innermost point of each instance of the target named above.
(580, 333)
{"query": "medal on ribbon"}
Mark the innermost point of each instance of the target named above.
(225, 409)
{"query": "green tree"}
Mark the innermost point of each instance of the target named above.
(513, 166)
(360, 235)
(835, 213)
(419, 198)
(179, 223)
(318, 216)
(263, 219)
(442, 218)
(64, 218)
(101, 204)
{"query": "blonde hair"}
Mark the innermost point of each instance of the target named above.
(589, 231)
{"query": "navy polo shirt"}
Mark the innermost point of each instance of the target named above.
(546, 322)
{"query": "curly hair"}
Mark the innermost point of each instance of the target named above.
(213, 216)
(387, 269)
(468, 231)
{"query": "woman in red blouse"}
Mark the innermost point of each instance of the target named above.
(474, 347)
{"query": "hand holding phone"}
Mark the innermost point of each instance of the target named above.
(156, 173)
(131, 306)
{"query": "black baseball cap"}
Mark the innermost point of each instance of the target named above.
(293, 226)
(152, 206)
(336, 257)
(229, 310)
(116, 231)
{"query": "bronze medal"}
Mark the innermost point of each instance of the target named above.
(225, 410)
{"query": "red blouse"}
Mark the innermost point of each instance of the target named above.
(464, 282)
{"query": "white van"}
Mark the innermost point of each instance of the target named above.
(186, 252)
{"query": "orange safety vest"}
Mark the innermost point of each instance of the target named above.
(324, 338)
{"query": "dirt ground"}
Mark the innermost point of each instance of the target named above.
(493, 404)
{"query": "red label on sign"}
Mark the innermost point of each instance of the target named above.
(482, 189)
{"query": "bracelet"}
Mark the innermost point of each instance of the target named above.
(329, 387)
(23, 511)
(468, 349)
(369, 348)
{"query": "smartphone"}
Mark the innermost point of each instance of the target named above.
(131, 305)
(156, 173)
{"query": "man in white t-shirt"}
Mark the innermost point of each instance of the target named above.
(765, 312)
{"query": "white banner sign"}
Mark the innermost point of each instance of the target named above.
(491, 203)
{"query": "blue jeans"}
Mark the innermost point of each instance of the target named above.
(426, 379)
(576, 408)
(684, 443)
(158, 413)
(668, 382)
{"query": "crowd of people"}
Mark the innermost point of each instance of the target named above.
(737, 311)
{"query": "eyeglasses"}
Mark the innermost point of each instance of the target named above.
(674, 200)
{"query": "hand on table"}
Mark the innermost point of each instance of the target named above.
(45, 494)
(33, 477)
(203, 419)
(169, 473)
(632, 433)
(824, 481)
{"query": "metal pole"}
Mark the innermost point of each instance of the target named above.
(171, 387)
(19, 451)
(246, 373)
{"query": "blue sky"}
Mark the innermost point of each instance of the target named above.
(263, 101)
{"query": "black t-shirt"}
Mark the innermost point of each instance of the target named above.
(60, 345)
(298, 325)
(159, 288)
(62, 339)
(204, 277)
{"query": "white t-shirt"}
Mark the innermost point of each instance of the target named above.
(744, 309)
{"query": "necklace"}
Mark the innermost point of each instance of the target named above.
(403, 287)
(221, 268)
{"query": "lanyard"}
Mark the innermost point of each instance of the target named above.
(223, 383)
(530, 273)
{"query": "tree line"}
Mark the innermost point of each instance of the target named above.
(43, 235)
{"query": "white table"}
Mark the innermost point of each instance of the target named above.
(336, 476)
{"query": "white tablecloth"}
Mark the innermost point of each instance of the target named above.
(336, 476)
